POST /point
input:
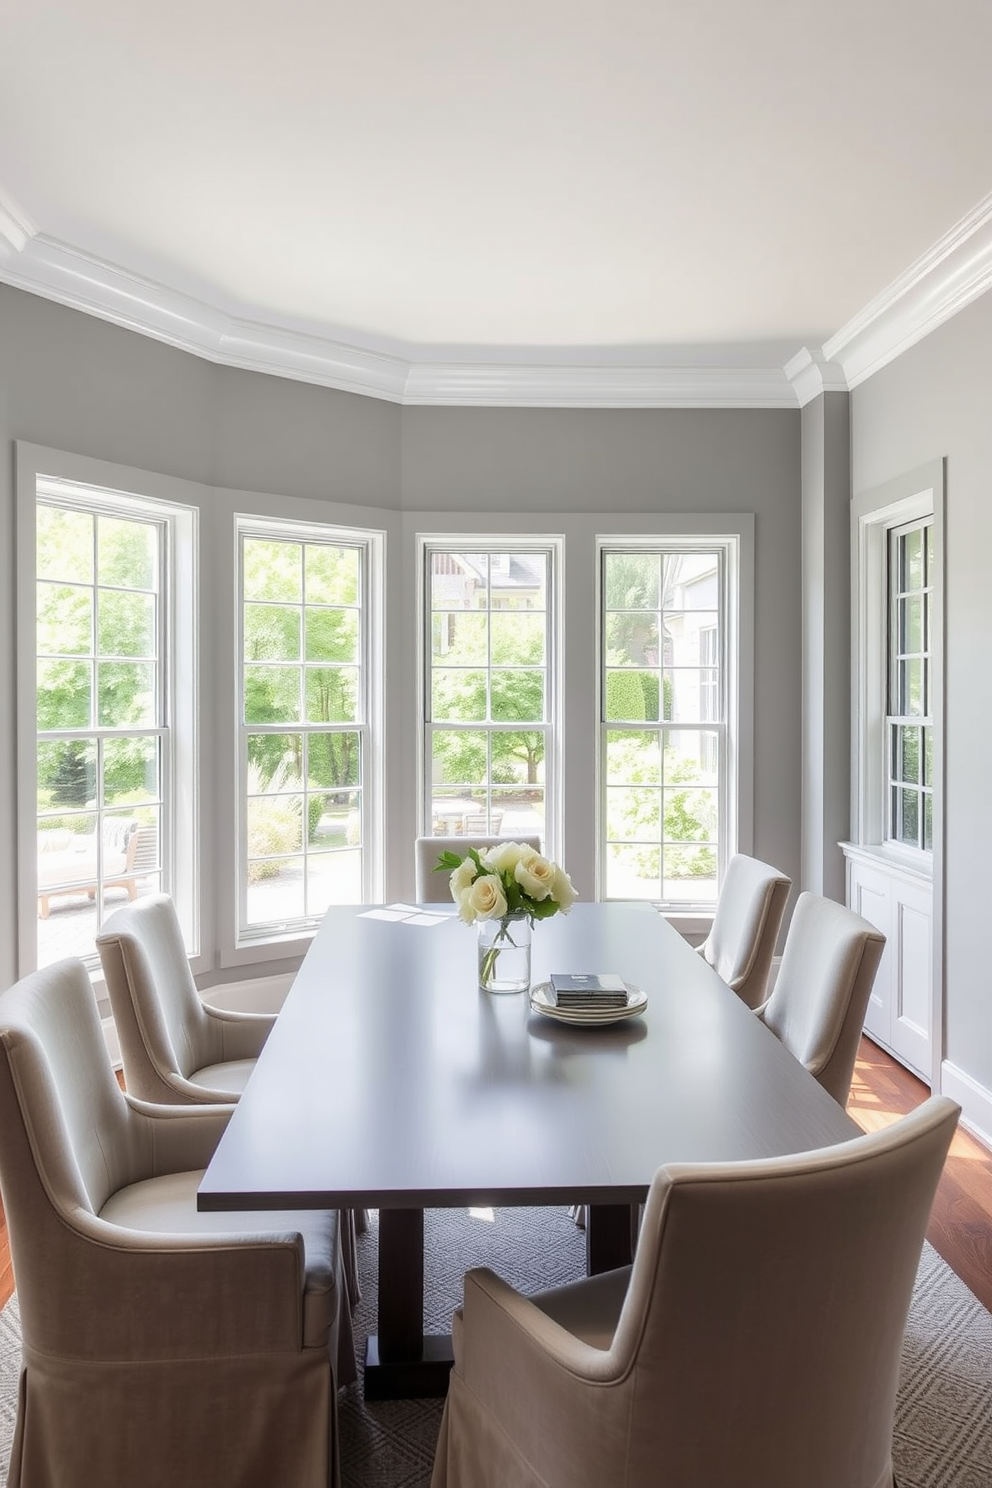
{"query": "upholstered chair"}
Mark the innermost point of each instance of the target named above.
(748, 917)
(818, 1004)
(754, 1343)
(161, 1346)
(174, 1047)
(433, 888)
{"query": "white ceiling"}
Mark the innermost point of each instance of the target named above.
(631, 184)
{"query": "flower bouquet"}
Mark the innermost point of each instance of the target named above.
(504, 890)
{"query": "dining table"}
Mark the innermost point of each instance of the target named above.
(390, 1081)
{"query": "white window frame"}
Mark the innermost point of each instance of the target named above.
(735, 671)
(371, 546)
(426, 544)
(95, 486)
(912, 499)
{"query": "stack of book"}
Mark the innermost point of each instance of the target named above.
(588, 990)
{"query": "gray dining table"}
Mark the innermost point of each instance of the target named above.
(391, 1082)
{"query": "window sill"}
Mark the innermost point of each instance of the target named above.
(915, 866)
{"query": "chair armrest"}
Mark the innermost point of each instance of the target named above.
(496, 1317)
(202, 1295)
(179, 1138)
(242, 1034)
(524, 1370)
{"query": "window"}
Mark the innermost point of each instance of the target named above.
(490, 685)
(909, 721)
(664, 746)
(306, 696)
(898, 626)
(105, 633)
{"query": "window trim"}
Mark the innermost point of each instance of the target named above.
(427, 543)
(105, 487)
(874, 515)
(371, 543)
(734, 788)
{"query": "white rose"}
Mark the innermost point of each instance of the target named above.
(465, 910)
(462, 876)
(535, 875)
(562, 890)
(485, 899)
(505, 856)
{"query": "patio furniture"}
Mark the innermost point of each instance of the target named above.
(67, 861)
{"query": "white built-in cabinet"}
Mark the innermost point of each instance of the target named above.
(899, 902)
(894, 875)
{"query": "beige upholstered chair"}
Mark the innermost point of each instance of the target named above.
(742, 938)
(175, 1049)
(754, 1343)
(818, 1004)
(433, 888)
(161, 1346)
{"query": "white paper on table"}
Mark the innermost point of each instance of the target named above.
(409, 914)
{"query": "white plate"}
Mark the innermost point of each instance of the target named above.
(540, 1001)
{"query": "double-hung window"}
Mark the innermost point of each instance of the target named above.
(909, 714)
(665, 740)
(106, 642)
(306, 713)
(490, 687)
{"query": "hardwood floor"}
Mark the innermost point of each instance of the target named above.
(882, 1091)
(961, 1219)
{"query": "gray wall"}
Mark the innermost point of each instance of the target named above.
(936, 400)
(72, 382)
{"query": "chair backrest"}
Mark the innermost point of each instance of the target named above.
(433, 888)
(65, 1137)
(818, 1004)
(160, 1019)
(766, 1309)
(748, 917)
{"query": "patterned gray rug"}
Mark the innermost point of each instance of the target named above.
(943, 1433)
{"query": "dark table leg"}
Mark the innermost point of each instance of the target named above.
(400, 1362)
(609, 1230)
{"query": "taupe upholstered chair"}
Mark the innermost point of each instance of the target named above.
(174, 1048)
(433, 888)
(817, 1007)
(161, 1346)
(742, 938)
(754, 1343)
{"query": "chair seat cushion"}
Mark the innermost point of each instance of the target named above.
(167, 1205)
(231, 1077)
(589, 1309)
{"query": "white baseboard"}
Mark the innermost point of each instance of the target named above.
(975, 1101)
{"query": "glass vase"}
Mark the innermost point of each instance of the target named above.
(504, 954)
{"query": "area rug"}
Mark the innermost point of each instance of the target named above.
(943, 1431)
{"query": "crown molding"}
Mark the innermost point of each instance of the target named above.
(495, 385)
(811, 374)
(33, 261)
(955, 271)
(16, 227)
